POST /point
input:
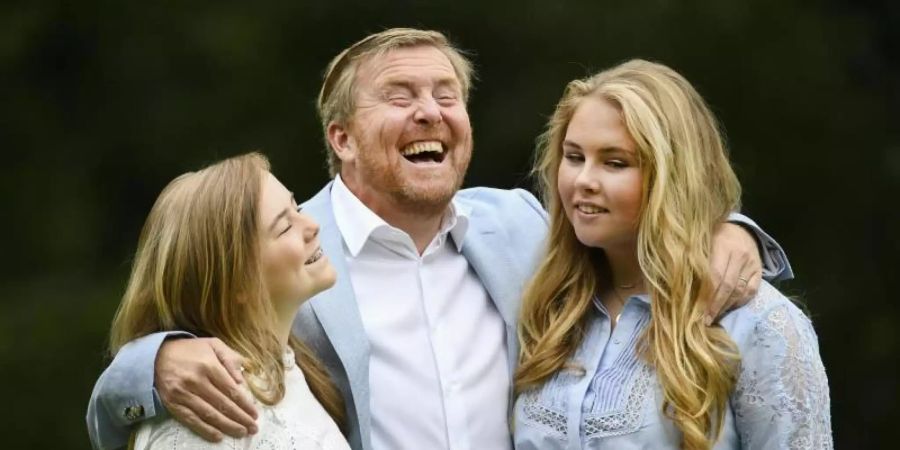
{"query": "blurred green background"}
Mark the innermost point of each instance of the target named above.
(103, 102)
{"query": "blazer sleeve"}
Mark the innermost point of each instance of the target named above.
(775, 263)
(124, 394)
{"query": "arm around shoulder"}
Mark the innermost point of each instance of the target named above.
(781, 399)
(776, 266)
(124, 394)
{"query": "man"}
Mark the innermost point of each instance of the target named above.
(420, 330)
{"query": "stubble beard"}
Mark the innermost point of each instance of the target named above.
(418, 197)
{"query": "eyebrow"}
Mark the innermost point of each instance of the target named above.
(605, 149)
(409, 85)
(284, 212)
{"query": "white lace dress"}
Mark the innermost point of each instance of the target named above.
(297, 422)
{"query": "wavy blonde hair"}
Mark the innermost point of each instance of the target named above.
(197, 268)
(336, 102)
(688, 188)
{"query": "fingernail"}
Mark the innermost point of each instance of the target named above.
(707, 320)
(253, 430)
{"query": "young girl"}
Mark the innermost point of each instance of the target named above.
(225, 253)
(615, 352)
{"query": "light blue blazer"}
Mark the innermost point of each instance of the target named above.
(503, 244)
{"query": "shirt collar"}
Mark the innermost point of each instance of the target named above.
(357, 222)
(642, 298)
(456, 222)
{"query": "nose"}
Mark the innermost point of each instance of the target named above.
(309, 226)
(586, 179)
(428, 112)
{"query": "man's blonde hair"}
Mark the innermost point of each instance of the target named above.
(336, 101)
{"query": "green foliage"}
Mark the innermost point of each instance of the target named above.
(104, 102)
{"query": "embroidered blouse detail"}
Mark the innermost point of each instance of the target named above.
(798, 387)
(780, 400)
(297, 422)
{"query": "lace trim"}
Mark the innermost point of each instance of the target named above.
(801, 394)
(287, 358)
(554, 421)
(628, 419)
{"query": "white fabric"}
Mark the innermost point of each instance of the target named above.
(297, 422)
(438, 373)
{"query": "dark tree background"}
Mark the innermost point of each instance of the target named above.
(103, 102)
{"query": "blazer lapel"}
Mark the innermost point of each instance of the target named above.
(486, 247)
(337, 311)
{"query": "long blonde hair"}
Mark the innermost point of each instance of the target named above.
(197, 268)
(688, 188)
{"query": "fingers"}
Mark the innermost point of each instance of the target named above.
(198, 403)
(187, 417)
(197, 388)
(736, 268)
(729, 280)
(752, 286)
(231, 401)
(199, 412)
(231, 359)
(221, 409)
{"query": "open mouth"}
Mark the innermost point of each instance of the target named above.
(424, 151)
(590, 209)
(317, 255)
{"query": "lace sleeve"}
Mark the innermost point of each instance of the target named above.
(781, 398)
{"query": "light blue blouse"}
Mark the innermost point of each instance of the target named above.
(609, 398)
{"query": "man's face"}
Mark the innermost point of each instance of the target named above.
(409, 141)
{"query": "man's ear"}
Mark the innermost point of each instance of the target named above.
(342, 144)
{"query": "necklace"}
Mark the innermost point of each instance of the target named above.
(621, 302)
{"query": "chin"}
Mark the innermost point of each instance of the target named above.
(591, 240)
(429, 194)
(324, 280)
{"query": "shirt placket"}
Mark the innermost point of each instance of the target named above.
(455, 414)
(588, 356)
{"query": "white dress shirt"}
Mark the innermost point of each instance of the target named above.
(438, 373)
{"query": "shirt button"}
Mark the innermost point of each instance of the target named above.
(617, 342)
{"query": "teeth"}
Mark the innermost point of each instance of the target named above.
(315, 257)
(422, 146)
(589, 209)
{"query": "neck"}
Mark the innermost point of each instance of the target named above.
(284, 320)
(420, 221)
(625, 270)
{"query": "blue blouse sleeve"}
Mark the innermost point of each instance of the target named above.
(781, 398)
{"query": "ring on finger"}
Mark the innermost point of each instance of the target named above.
(744, 280)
